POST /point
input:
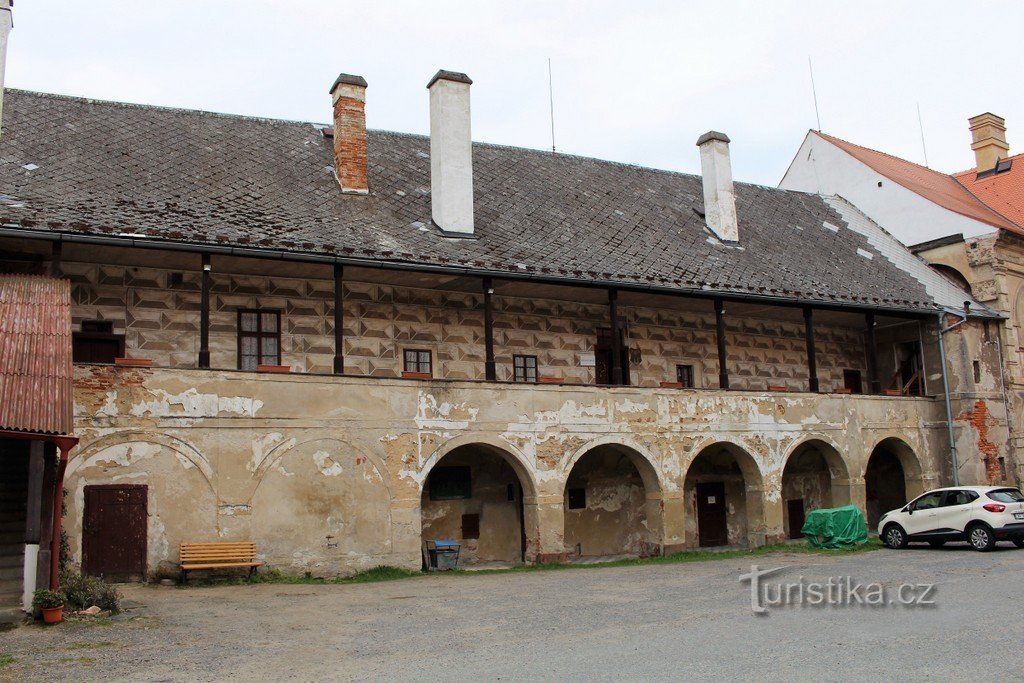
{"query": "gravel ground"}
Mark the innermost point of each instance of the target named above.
(641, 622)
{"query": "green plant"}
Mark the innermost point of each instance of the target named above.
(47, 599)
(6, 659)
(85, 591)
(64, 559)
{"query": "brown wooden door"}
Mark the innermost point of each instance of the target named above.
(114, 531)
(795, 508)
(603, 356)
(711, 514)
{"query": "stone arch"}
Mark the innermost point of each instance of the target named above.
(184, 449)
(612, 500)
(172, 471)
(321, 505)
(730, 508)
(814, 476)
(953, 274)
(892, 475)
(480, 492)
(524, 469)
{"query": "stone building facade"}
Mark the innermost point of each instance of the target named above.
(601, 360)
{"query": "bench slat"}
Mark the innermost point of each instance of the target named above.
(188, 567)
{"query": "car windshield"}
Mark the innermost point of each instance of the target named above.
(1006, 495)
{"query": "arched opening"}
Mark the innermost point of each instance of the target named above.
(953, 275)
(612, 504)
(891, 476)
(724, 498)
(475, 495)
(815, 477)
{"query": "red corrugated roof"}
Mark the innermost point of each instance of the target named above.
(1004, 192)
(35, 354)
(939, 188)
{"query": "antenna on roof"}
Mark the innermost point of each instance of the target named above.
(551, 100)
(814, 92)
(921, 126)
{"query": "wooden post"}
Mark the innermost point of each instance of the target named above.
(490, 370)
(339, 319)
(874, 386)
(613, 313)
(204, 314)
(723, 370)
(55, 257)
(34, 507)
(812, 361)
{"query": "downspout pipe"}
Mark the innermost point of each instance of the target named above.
(945, 392)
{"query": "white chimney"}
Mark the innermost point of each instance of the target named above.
(719, 195)
(6, 23)
(451, 153)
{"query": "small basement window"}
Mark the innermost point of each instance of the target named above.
(450, 483)
(470, 526)
(577, 499)
(524, 368)
(418, 360)
(684, 375)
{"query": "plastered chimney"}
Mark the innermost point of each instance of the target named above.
(348, 94)
(988, 140)
(6, 23)
(451, 153)
(719, 195)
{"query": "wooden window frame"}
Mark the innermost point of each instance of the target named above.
(417, 368)
(97, 335)
(259, 334)
(520, 362)
(689, 383)
(457, 480)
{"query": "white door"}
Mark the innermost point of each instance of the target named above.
(924, 512)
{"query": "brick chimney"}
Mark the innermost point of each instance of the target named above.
(349, 97)
(719, 195)
(988, 140)
(451, 153)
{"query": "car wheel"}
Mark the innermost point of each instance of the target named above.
(981, 537)
(1019, 542)
(894, 537)
(936, 544)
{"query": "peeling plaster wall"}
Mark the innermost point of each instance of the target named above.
(614, 520)
(288, 460)
(806, 477)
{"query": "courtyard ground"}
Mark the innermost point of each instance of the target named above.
(636, 622)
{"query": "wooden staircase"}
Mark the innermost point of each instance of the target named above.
(13, 509)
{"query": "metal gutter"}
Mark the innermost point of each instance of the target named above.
(945, 392)
(13, 230)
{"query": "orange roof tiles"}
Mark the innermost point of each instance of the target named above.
(939, 188)
(1003, 192)
(35, 354)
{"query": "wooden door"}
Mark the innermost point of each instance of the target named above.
(711, 514)
(795, 508)
(114, 531)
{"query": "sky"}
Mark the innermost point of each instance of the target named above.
(634, 82)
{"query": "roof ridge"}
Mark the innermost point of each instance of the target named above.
(975, 168)
(877, 151)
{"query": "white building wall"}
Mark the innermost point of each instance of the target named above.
(823, 168)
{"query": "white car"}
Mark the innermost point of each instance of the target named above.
(980, 515)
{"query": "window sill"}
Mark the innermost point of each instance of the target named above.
(274, 368)
(416, 375)
(134, 362)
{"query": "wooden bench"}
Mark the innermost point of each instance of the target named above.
(218, 555)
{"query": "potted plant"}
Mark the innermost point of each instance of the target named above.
(50, 603)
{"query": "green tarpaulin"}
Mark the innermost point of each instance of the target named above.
(836, 527)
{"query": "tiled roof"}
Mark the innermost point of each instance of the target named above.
(83, 166)
(934, 186)
(35, 354)
(1004, 192)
